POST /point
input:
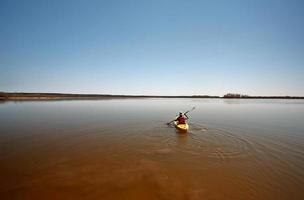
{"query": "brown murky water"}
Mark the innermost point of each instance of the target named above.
(122, 149)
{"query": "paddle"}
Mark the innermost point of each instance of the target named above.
(189, 111)
(184, 114)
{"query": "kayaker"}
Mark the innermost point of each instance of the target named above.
(181, 119)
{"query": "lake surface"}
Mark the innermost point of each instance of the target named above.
(122, 149)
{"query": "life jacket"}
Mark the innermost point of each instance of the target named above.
(181, 120)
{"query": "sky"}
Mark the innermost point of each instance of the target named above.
(159, 47)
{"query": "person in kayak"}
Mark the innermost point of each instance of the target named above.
(180, 119)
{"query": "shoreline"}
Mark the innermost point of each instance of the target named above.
(16, 96)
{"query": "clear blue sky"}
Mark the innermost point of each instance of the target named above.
(161, 47)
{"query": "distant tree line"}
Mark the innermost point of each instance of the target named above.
(3, 96)
(239, 96)
(234, 95)
(55, 96)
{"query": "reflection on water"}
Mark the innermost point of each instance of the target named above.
(122, 149)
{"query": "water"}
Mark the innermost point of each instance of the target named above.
(122, 149)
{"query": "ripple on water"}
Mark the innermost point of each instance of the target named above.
(219, 144)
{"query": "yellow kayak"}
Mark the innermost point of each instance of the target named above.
(181, 127)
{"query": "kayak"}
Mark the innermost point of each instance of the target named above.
(181, 127)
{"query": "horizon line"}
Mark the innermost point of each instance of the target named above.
(227, 95)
